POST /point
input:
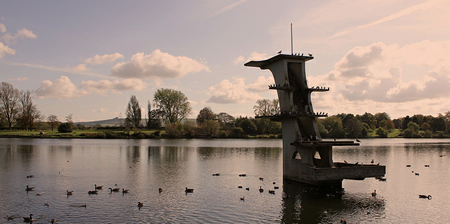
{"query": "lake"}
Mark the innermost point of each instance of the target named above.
(144, 166)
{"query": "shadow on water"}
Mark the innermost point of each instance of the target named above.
(303, 203)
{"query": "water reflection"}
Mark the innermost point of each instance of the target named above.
(303, 204)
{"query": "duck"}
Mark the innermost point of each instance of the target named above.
(47, 204)
(30, 176)
(260, 189)
(83, 205)
(29, 188)
(247, 188)
(239, 186)
(92, 192)
(276, 187)
(98, 187)
(115, 189)
(160, 190)
(53, 221)
(425, 196)
(69, 192)
(189, 190)
(28, 219)
(374, 193)
(260, 178)
(140, 205)
(125, 191)
(242, 199)
(271, 192)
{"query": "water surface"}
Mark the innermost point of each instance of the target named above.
(143, 166)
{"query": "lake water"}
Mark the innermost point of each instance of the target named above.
(144, 166)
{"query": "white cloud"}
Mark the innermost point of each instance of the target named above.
(254, 56)
(61, 88)
(388, 78)
(157, 64)
(102, 59)
(228, 7)
(103, 86)
(101, 110)
(80, 68)
(21, 34)
(227, 92)
(2, 28)
(5, 50)
(19, 79)
(261, 84)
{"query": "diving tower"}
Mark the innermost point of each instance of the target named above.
(301, 137)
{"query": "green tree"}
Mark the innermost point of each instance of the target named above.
(65, 128)
(425, 126)
(210, 128)
(9, 98)
(405, 122)
(380, 117)
(205, 114)
(247, 125)
(369, 119)
(154, 118)
(381, 132)
(413, 127)
(437, 124)
(354, 128)
(133, 113)
(173, 104)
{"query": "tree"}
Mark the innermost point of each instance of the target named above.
(173, 105)
(53, 120)
(380, 117)
(9, 98)
(225, 120)
(65, 128)
(425, 126)
(210, 127)
(133, 113)
(381, 132)
(354, 128)
(405, 122)
(206, 114)
(29, 113)
(266, 107)
(369, 119)
(154, 116)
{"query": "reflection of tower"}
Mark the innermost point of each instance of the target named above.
(306, 158)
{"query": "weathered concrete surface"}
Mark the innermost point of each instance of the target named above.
(301, 137)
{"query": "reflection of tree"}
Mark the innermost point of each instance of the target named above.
(304, 204)
(133, 153)
(266, 152)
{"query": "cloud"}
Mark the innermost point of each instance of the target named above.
(102, 59)
(5, 50)
(80, 68)
(228, 7)
(254, 56)
(63, 88)
(103, 86)
(19, 79)
(101, 110)
(157, 64)
(261, 84)
(227, 92)
(390, 73)
(21, 34)
(2, 28)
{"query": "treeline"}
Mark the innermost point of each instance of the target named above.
(380, 125)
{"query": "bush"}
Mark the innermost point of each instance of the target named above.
(65, 128)
(237, 132)
(382, 133)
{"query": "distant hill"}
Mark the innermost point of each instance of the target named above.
(116, 122)
(110, 122)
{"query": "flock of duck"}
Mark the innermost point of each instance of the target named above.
(429, 197)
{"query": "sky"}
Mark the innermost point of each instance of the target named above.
(87, 58)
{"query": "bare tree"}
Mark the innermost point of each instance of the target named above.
(53, 120)
(9, 98)
(29, 113)
(266, 107)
